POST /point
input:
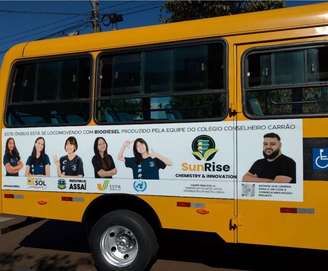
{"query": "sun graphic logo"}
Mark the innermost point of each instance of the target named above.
(203, 147)
(30, 180)
(103, 186)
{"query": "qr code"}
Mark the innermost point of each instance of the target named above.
(248, 190)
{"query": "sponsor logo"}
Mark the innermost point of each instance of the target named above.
(61, 184)
(203, 148)
(36, 182)
(114, 187)
(140, 185)
(103, 186)
(106, 185)
(77, 185)
(320, 159)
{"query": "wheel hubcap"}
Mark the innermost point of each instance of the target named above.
(119, 246)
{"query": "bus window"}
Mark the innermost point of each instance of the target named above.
(181, 83)
(289, 81)
(23, 83)
(50, 92)
(121, 74)
(74, 82)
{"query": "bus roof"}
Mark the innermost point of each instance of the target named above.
(255, 22)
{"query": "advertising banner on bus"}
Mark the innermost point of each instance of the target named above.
(261, 160)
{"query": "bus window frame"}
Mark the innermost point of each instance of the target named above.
(278, 48)
(163, 46)
(45, 59)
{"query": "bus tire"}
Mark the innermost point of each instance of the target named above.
(123, 240)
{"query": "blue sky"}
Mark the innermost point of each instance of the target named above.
(32, 20)
(19, 27)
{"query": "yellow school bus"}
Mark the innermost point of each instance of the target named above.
(215, 125)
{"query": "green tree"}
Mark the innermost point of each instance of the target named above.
(175, 11)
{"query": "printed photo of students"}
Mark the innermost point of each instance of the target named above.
(38, 162)
(11, 158)
(102, 162)
(70, 165)
(145, 165)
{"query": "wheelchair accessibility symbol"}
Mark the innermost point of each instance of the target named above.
(320, 159)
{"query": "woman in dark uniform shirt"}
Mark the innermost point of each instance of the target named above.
(11, 159)
(70, 165)
(102, 162)
(144, 164)
(38, 162)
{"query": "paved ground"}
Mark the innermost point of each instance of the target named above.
(62, 246)
(4, 219)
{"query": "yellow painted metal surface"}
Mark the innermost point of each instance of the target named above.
(187, 218)
(9, 58)
(259, 222)
(47, 204)
(50, 205)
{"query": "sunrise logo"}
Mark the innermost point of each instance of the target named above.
(203, 147)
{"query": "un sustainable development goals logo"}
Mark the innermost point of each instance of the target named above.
(203, 147)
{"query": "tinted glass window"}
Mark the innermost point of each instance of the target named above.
(158, 77)
(120, 74)
(48, 80)
(161, 108)
(75, 79)
(287, 82)
(23, 83)
(177, 83)
(50, 92)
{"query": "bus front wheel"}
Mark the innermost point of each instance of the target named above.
(123, 240)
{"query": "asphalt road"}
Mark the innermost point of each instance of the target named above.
(62, 246)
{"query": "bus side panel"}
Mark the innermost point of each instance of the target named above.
(47, 204)
(14, 53)
(261, 222)
(208, 215)
(301, 223)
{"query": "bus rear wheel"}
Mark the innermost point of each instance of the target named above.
(123, 240)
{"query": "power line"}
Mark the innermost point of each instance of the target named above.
(21, 35)
(72, 24)
(24, 33)
(120, 4)
(62, 31)
(27, 12)
(141, 10)
(111, 19)
(80, 24)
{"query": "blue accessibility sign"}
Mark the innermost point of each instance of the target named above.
(320, 159)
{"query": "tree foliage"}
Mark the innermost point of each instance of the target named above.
(175, 11)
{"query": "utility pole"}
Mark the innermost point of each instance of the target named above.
(95, 15)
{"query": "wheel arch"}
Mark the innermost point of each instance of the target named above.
(110, 202)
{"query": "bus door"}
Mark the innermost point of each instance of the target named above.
(282, 139)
